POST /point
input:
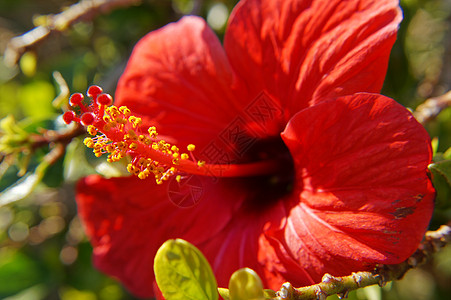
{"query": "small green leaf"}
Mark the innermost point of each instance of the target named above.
(441, 179)
(269, 294)
(20, 189)
(182, 272)
(246, 285)
(224, 293)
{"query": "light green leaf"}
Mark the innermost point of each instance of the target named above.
(20, 189)
(441, 179)
(224, 293)
(182, 272)
(269, 294)
(246, 285)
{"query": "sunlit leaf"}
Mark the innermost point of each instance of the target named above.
(37, 292)
(245, 284)
(36, 99)
(75, 162)
(19, 190)
(24, 186)
(441, 178)
(182, 272)
(17, 272)
(224, 293)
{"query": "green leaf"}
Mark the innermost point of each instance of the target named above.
(441, 179)
(20, 189)
(182, 272)
(224, 293)
(246, 285)
(36, 99)
(17, 272)
(269, 294)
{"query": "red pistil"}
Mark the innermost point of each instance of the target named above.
(149, 156)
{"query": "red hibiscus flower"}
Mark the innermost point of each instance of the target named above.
(307, 171)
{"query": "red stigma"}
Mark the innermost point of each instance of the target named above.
(76, 99)
(94, 91)
(69, 116)
(105, 99)
(88, 119)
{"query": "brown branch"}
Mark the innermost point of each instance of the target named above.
(431, 108)
(83, 11)
(341, 286)
(48, 137)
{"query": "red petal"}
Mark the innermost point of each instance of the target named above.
(303, 51)
(178, 78)
(363, 196)
(128, 219)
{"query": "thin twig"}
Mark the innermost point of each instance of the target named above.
(431, 108)
(82, 11)
(341, 286)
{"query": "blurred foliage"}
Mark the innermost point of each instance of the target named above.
(43, 251)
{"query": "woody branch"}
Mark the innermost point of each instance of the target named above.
(330, 285)
(83, 11)
(431, 108)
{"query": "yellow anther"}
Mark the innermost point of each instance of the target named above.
(142, 161)
(110, 148)
(175, 155)
(184, 156)
(89, 142)
(143, 175)
(137, 122)
(107, 119)
(191, 147)
(152, 132)
(201, 163)
(92, 130)
(175, 161)
(178, 178)
(112, 109)
(147, 141)
(174, 148)
(121, 145)
(124, 110)
(133, 146)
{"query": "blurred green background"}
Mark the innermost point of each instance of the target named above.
(44, 253)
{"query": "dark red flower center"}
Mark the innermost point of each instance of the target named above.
(271, 187)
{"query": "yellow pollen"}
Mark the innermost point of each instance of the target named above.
(119, 134)
(89, 142)
(92, 130)
(133, 146)
(124, 110)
